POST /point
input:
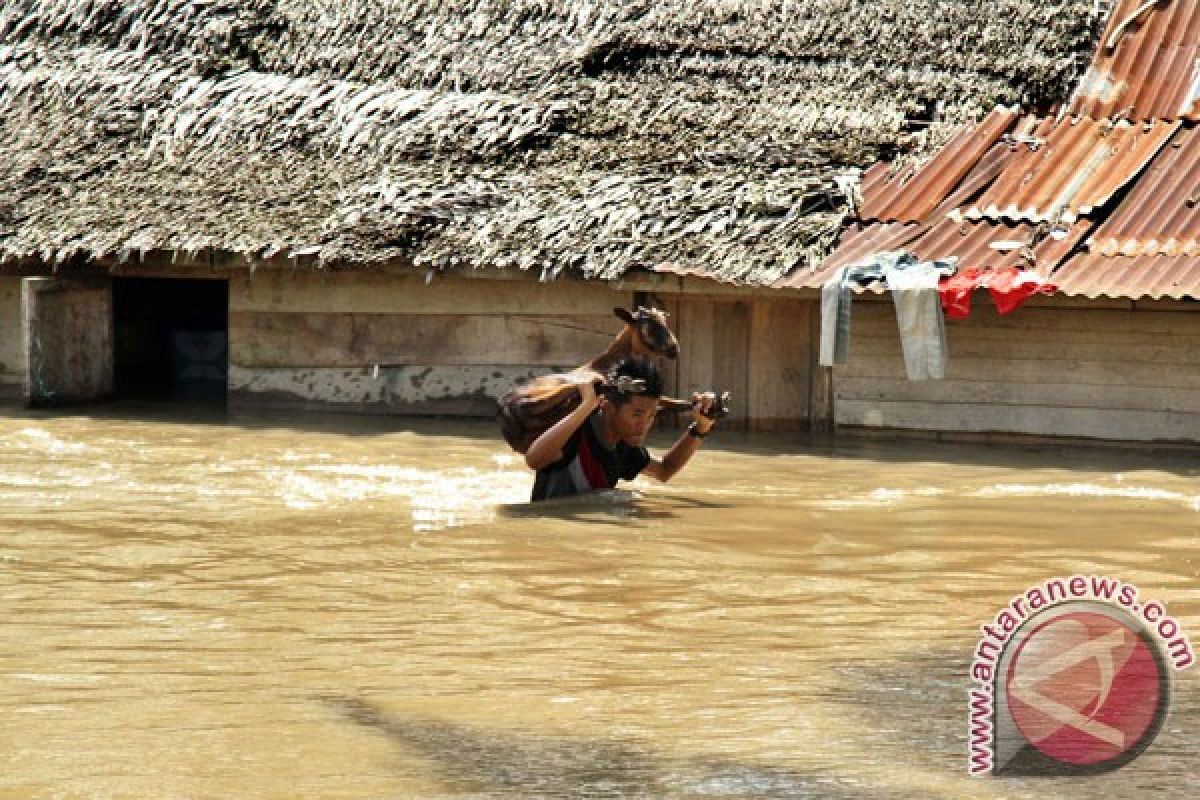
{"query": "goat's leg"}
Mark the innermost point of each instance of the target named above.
(672, 405)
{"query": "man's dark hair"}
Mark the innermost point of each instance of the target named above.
(636, 369)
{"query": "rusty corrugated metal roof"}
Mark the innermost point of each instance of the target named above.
(865, 239)
(1161, 213)
(1156, 276)
(983, 244)
(858, 243)
(1075, 168)
(912, 195)
(990, 245)
(1147, 64)
(1124, 123)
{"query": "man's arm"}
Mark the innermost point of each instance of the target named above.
(547, 448)
(683, 449)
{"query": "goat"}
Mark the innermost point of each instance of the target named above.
(531, 408)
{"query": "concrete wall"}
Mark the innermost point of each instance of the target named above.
(12, 349)
(70, 328)
(1095, 369)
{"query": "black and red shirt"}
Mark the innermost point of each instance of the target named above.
(587, 463)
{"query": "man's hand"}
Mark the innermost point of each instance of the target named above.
(702, 406)
(679, 454)
(586, 384)
(547, 448)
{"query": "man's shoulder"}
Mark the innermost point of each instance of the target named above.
(570, 447)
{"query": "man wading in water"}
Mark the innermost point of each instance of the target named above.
(600, 442)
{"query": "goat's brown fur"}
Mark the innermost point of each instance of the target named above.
(531, 408)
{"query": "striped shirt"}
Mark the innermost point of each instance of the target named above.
(587, 464)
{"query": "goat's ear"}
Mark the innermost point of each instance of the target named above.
(624, 316)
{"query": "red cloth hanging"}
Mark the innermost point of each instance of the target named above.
(1009, 287)
(955, 292)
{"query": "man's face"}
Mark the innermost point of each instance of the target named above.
(632, 420)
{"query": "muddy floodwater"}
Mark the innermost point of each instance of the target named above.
(281, 607)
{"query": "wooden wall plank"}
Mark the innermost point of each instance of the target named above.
(1044, 371)
(760, 357)
(663, 283)
(695, 334)
(1190, 306)
(1031, 419)
(1172, 350)
(380, 293)
(1031, 371)
(1046, 338)
(731, 346)
(1066, 395)
(878, 318)
(268, 339)
(1058, 301)
(821, 379)
(778, 360)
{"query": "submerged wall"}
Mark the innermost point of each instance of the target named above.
(1057, 367)
(447, 347)
(1103, 369)
(452, 346)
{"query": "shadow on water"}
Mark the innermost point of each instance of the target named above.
(530, 765)
(936, 683)
(616, 507)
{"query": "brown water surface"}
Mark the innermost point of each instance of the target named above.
(260, 607)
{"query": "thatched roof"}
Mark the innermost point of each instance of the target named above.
(589, 135)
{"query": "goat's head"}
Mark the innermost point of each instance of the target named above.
(651, 334)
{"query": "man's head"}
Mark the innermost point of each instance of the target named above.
(630, 415)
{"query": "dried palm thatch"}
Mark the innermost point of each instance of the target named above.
(585, 135)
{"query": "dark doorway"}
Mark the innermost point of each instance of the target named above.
(171, 339)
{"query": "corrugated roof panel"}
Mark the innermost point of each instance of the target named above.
(1093, 275)
(857, 243)
(981, 245)
(1052, 249)
(913, 195)
(994, 245)
(1161, 213)
(989, 167)
(874, 238)
(863, 240)
(1076, 168)
(984, 244)
(1147, 64)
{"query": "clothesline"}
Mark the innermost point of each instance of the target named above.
(924, 293)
